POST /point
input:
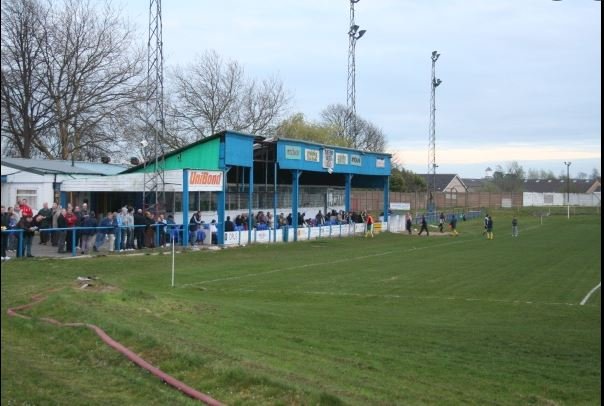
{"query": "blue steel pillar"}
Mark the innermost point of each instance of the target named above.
(221, 207)
(185, 208)
(63, 202)
(386, 197)
(275, 204)
(348, 192)
(295, 193)
(249, 204)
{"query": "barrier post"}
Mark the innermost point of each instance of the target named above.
(118, 238)
(156, 235)
(20, 244)
(73, 242)
(185, 208)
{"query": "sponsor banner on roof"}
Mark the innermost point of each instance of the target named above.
(293, 152)
(380, 163)
(312, 155)
(205, 181)
(356, 160)
(328, 158)
(341, 159)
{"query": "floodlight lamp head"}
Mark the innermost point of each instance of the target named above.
(329, 171)
(361, 33)
(435, 56)
(144, 143)
(353, 29)
(437, 82)
(354, 1)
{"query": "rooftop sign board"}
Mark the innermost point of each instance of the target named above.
(205, 181)
(293, 152)
(312, 155)
(341, 159)
(328, 158)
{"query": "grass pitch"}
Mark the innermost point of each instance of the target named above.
(393, 320)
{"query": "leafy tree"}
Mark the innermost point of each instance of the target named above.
(540, 174)
(402, 180)
(296, 127)
(509, 179)
(330, 130)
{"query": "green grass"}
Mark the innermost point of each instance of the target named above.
(391, 320)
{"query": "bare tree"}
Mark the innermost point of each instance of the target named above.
(595, 174)
(206, 92)
(367, 136)
(130, 122)
(84, 69)
(212, 94)
(92, 70)
(371, 138)
(259, 107)
(336, 116)
(25, 104)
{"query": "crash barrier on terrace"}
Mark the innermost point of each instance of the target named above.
(289, 234)
(127, 238)
(163, 235)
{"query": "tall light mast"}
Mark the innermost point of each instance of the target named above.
(432, 142)
(354, 34)
(154, 190)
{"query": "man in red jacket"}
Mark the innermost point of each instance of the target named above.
(25, 209)
(369, 221)
(71, 221)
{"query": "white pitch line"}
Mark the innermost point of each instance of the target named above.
(586, 298)
(288, 269)
(318, 264)
(390, 296)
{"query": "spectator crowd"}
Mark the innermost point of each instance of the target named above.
(131, 229)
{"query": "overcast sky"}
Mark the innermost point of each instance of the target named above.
(521, 78)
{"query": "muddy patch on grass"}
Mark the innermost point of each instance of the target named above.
(93, 284)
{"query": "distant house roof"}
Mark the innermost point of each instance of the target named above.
(52, 166)
(561, 185)
(442, 181)
(474, 184)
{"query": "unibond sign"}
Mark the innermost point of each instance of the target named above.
(205, 181)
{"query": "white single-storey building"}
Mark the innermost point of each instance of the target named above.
(39, 180)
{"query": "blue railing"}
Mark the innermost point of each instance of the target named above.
(125, 236)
